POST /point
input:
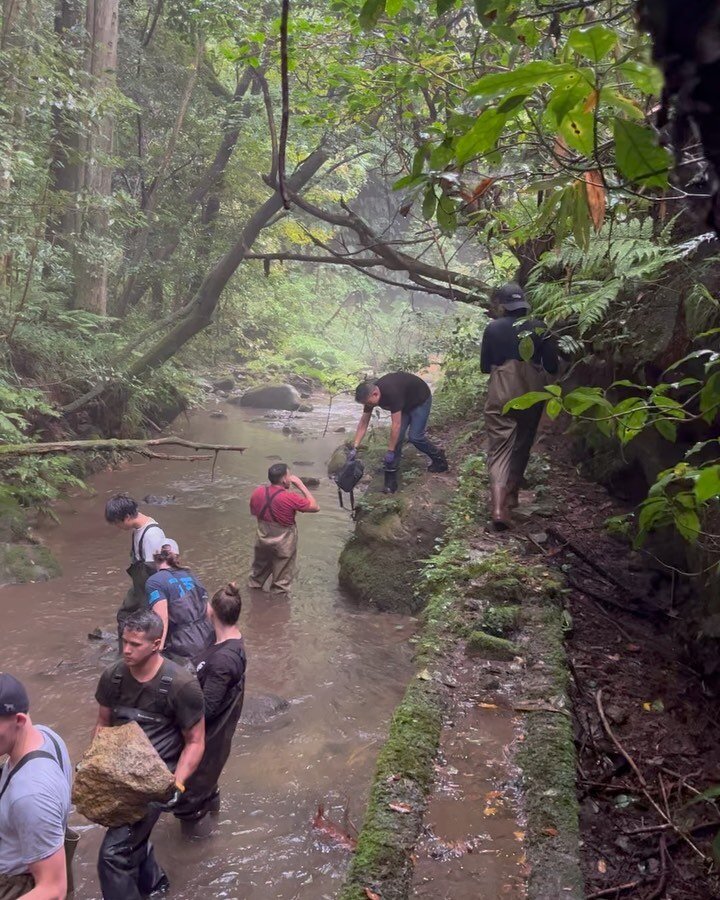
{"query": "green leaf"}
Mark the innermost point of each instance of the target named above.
(483, 7)
(522, 78)
(429, 203)
(652, 512)
(593, 42)
(707, 485)
(644, 77)
(688, 524)
(393, 7)
(482, 137)
(447, 215)
(526, 401)
(554, 408)
(620, 103)
(444, 5)
(638, 155)
(669, 406)
(569, 93)
(667, 429)
(441, 156)
(512, 102)
(577, 129)
(526, 348)
(371, 12)
(554, 389)
(710, 398)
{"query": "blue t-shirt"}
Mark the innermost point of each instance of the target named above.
(189, 629)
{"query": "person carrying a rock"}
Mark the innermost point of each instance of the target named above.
(166, 701)
(221, 673)
(275, 506)
(175, 594)
(510, 436)
(409, 401)
(147, 538)
(35, 786)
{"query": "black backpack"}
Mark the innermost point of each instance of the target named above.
(347, 479)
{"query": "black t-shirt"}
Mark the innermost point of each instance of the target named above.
(400, 392)
(501, 342)
(221, 673)
(180, 708)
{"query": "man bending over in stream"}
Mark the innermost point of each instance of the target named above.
(166, 701)
(408, 399)
(275, 505)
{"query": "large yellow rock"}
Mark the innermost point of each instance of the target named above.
(119, 775)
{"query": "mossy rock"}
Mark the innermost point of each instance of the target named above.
(501, 621)
(22, 563)
(381, 574)
(490, 647)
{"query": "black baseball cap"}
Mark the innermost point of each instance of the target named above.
(511, 296)
(13, 696)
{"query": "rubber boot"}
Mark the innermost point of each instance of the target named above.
(512, 499)
(439, 462)
(391, 484)
(499, 514)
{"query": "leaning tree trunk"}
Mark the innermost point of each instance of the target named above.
(198, 313)
(101, 25)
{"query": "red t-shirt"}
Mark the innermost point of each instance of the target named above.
(282, 504)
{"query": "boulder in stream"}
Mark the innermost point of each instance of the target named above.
(119, 775)
(224, 384)
(272, 396)
(262, 708)
(310, 481)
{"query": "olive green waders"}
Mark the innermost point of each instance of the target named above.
(510, 437)
(275, 554)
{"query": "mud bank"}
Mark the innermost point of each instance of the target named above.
(491, 639)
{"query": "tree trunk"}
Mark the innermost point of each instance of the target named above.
(199, 312)
(65, 166)
(101, 25)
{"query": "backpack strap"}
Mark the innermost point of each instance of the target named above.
(164, 690)
(58, 751)
(34, 754)
(140, 556)
(352, 499)
(340, 499)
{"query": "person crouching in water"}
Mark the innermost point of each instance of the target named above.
(176, 595)
(510, 437)
(221, 673)
(274, 506)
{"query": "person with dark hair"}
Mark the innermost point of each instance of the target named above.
(510, 437)
(221, 673)
(35, 787)
(166, 701)
(409, 401)
(175, 594)
(147, 538)
(275, 505)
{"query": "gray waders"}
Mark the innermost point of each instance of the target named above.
(510, 437)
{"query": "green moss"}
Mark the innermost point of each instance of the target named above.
(381, 574)
(21, 563)
(481, 644)
(403, 775)
(501, 620)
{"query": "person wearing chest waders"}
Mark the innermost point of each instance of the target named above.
(510, 436)
(175, 594)
(166, 701)
(147, 538)
(35, 786)
(409, 401)
(275, 505)
(221, 673)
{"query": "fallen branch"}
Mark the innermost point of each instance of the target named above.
(143, 448)
(585, 557)
(614, 891)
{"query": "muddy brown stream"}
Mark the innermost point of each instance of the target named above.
(341, 668)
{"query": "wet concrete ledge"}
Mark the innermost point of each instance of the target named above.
(516, 612)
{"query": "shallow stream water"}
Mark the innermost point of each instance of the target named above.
(342, 669)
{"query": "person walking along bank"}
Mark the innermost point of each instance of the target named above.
(274, 505)
(35, 786)
(409, 401)
(510, 437)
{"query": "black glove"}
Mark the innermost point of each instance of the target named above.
(352, 453)
(168, 805)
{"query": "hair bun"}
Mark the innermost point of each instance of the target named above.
(232, 589)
